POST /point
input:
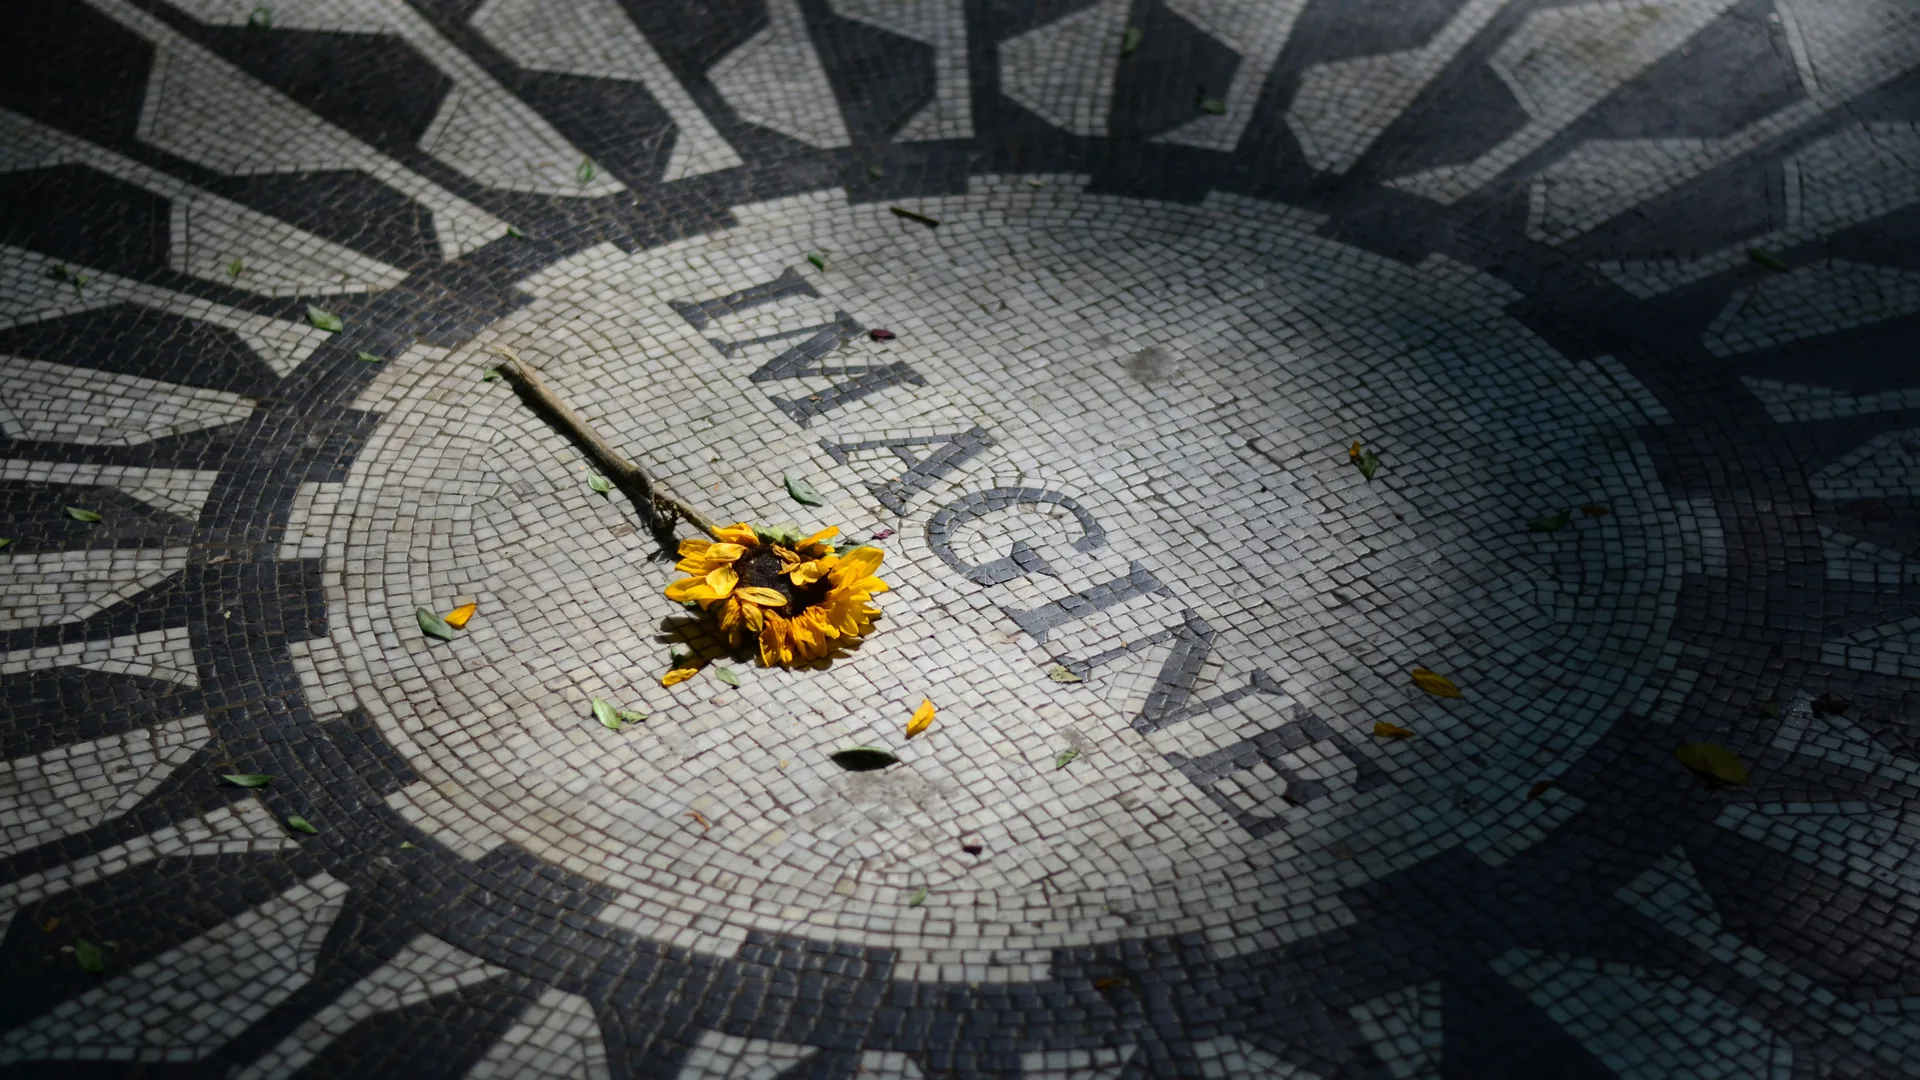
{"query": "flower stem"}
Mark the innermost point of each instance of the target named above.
(638, 484)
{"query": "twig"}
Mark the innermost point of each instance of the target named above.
(638, 484)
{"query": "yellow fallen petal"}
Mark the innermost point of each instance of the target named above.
(856, 564)
(678, 675)
(690, 589)
(922, 718)
(1353, 452)
(822, 536)
(763, 596)
(457, 618)
(1435, 684)
(695, 546)
(1391, 731)
(722, 580)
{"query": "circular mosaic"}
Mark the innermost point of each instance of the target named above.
(1108, 456)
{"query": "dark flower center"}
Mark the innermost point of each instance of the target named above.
(761, 568)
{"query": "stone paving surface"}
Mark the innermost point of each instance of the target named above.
(1617, 302)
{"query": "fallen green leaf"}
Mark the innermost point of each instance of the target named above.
(876, 171)
(804, 493)
(863, 758)
(818, 260)
(89, 956)
(261, 19)
(300, 824)
(1063, 673)
(1770, 709)
(1212, 106)
(405, 845)
(322, 319)
(247, 779)
(1065, 758)
(1368, 464)
(608, 716)
(372, 359)
(514, 231)
(433, 624)
(599, 483)
(1551, 522)
(726, 675)
(236, 267)
(1769, 260)
(491, 374)
(1712, 761)
(630, 716)
(78, 514)
(1130, 41)
(919, 897)
(5, 540)
(585, 173)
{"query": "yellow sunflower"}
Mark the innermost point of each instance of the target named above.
(800, 597)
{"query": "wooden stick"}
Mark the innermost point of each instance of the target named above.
(638, 484)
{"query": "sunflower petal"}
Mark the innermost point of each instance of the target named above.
(725, 552)
(922, 718)
(809, 572)
(763, 596)
(740, 534)
(689, 589)
(695, 546)
(752, 614)
(858, 563)
(678, 675)
(722, 580)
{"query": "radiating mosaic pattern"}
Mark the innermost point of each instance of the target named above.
(1622, 297)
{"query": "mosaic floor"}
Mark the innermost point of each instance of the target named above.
(1205, 369)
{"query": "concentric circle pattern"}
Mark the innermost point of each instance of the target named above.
(1405, 516)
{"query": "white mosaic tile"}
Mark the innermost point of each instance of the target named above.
(1810, 301)
(191, 1000)
(1227, 1058)
(943, 25)
(718, 1056)
(1792, 403)
(208, 232)
(1561, 62)
(595, 38)
(177, 491)
(1841, 50)
(1343, 106)
(165, 655)
(75, 787)
(775, 79)
(887, 1065)
(43, 402)
(1647, 1025)
(1064, 70)
(426, 968)
(1256, 29)
(557, 1038)
(207, 111)
(43, 588)
(242, 828)
(1404, 1028)
(1852, 176)
(1099, 1063)
(1251, 388)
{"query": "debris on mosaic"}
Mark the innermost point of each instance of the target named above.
(431, 623)
(457, 618)
(1061, 673)
(1539, 789)
(1391, 731)
(909, 215)
(1363, 459)
(1065, 758)
(863, 758)
(300, 824)
(1713, 762)
(1550, 522)
(247, 779)
(322, 319)
(922, 718)
(700, 819)
(919, 897)
(1434, 683)
(81, 514)
(802, 598)
(804, 493)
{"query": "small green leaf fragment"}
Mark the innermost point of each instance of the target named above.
(300, 824)
(1712, 761)
(1212, 106)
(247, 779)
(514, 231)
(1065, 758)
(371, 359)
(818, 260)
(919, 897)
(804, 493)
(322, 319)
(863, 758)
(261, 19)
(433, 624)
(81, 514)
(599, 483)
(585, 172)
(608, 716)
(1130, 41)
(691, 605)
(1368, 464)
(727, 675)
(89, 956)
(876, 171)
(236, 268)
(1064, 674)
(406, 845)
(1551, 522)
(5, 540)
(1769, 260)
(491, 374)
(630, 716)
(1770, 709)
